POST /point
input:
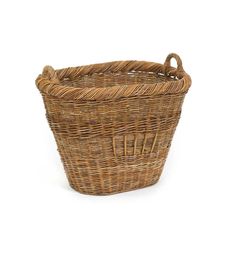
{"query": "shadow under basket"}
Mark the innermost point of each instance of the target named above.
(113, 122)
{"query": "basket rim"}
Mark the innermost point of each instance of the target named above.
(49, 82)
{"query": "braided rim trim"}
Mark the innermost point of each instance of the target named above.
(49, 81)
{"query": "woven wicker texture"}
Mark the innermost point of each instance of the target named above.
(114, 122)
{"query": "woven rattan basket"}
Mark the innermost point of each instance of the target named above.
(114, 122)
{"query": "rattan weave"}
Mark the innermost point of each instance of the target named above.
(114, 122)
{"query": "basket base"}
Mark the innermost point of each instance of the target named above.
(110, 192)
(110, 180)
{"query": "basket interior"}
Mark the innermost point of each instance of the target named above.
(116, 79)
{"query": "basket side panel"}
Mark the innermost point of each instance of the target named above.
(114, 146)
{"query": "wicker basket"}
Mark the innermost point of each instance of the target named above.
(114, 122)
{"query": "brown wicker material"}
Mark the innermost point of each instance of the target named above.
(114, 122)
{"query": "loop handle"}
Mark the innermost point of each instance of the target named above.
(48, 71)
(178, 60)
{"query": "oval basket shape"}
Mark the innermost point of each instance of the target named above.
(113, 122)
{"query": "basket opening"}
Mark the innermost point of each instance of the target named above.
(109, 79)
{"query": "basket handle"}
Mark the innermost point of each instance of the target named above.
(178, 60)
(50, 72)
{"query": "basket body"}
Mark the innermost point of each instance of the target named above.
(110, 145)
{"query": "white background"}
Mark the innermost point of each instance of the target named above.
(192, 208)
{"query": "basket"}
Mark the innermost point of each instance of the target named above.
(113, 122)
